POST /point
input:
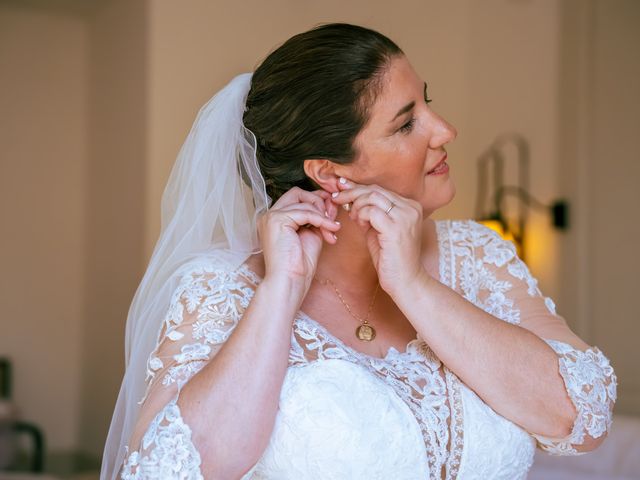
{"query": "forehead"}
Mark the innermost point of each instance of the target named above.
(400, 85)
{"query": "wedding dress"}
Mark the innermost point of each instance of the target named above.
(346, 415)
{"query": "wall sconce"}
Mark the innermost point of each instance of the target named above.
(511, 227)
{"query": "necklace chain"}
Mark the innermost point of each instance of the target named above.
(364, 332)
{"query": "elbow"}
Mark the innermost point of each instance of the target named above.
(559, 428)
(557, 423)
(565, 418)
(569, 418)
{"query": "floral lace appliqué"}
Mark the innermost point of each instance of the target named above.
(592, 387)
(167, 451)
(218, 297)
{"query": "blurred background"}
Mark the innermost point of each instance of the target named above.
(97, 96)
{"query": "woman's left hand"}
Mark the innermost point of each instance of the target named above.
(394, 237)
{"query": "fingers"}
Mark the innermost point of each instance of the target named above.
(351, 191)
(298, 195)
(301, 215)
(330, 207)
(327, 233)
(318, 201)
(375, 216)
(372, 196)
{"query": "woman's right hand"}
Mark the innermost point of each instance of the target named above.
(291, 233)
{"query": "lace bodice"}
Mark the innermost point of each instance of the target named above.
(344, 414)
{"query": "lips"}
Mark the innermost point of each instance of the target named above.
(438, 164)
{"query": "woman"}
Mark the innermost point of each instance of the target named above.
(339, 332)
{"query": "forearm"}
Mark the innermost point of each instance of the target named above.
(231, 404)
(513, 370)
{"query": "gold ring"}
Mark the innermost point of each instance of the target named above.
(389, 209)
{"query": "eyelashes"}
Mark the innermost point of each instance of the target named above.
(407, 127)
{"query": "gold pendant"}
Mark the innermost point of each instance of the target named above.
(366, 332)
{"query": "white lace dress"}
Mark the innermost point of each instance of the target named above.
(346, 415)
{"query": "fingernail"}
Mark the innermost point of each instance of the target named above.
(343, 180)
(337, 222)
(335, 194)
(335, 236)
(347, 206)
(326, 214)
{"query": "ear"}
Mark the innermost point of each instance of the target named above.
(323, 172)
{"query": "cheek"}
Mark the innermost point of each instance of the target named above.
(398, 165)
(411, 151)
(404, 164)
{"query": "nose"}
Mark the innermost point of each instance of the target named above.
(443, 132)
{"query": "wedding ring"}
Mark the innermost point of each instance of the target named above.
(389, 209)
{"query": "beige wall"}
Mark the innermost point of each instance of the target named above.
(43, 138)
(614, 175)
(115, 201)
(72, 196)
(112, 90)
(599, 169)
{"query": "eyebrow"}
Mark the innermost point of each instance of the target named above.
(409, 106)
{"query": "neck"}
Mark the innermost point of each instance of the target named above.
(348, 262)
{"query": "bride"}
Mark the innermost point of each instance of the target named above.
(303, 317)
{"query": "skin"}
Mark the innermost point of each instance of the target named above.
(399, 250)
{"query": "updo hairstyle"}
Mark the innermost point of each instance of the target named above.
(311, 96)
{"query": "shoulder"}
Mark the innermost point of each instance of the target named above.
(220, 274)
(470, 238)
(209, 261)
(215, 263)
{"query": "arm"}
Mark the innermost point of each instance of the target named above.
(506, 344)
(212, 401)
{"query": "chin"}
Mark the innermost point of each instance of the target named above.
(444, 197)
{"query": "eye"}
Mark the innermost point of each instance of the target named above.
(407, 127)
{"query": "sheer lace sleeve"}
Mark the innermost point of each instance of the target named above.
(507, 290)
(203, 312)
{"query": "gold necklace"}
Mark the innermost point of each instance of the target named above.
(365, 331)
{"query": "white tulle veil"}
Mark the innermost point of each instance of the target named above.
(211, 203)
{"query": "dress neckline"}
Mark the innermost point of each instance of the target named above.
(392, 351)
